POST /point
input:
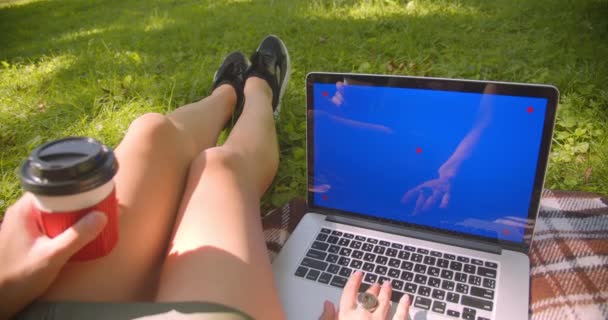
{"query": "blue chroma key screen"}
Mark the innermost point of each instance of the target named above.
(457, 161)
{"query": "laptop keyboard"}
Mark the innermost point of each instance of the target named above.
(457, 286)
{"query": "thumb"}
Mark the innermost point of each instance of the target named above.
(329, 313)
(81, 233)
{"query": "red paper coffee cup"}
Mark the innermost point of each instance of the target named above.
(70, 178)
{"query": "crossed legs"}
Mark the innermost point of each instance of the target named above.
(190, 226)
(154, 159)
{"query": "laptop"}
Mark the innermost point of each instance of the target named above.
(432, 183)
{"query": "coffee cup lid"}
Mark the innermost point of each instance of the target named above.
(68, 166)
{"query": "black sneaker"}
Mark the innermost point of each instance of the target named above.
(271, 63)
(232, 72)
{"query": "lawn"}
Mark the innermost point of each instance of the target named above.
(91, 67)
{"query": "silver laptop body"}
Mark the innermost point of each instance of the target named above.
(465, 254)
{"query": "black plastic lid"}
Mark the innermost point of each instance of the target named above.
(68, 166)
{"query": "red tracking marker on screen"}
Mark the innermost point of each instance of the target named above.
(325, 94)
(530, 109)
(324, 197)
(505, 232)
(419, 150)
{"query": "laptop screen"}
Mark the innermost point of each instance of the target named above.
(458, 161)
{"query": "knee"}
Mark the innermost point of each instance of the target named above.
(152, 125)
(155, 133)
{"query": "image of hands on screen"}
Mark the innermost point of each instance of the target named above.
(452, 160)
(436, 192)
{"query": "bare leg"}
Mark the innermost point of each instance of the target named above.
(154, 158)
(218, 252)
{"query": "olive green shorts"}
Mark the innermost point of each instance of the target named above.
(120, 311)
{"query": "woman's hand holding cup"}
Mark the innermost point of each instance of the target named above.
(68, 213)
(31, 260)
(69, 178)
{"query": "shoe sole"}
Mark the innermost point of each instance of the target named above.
(285, 82)
(277, 111)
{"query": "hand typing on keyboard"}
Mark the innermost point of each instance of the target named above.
(437, 282)
(350, 308)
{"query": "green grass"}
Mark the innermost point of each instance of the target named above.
(91, 67)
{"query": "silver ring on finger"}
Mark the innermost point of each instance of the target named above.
(367, 301)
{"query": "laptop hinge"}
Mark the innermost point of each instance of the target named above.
(411, 232)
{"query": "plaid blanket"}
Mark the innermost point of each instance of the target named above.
(568, 257)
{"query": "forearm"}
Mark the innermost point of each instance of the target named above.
(463, 151)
